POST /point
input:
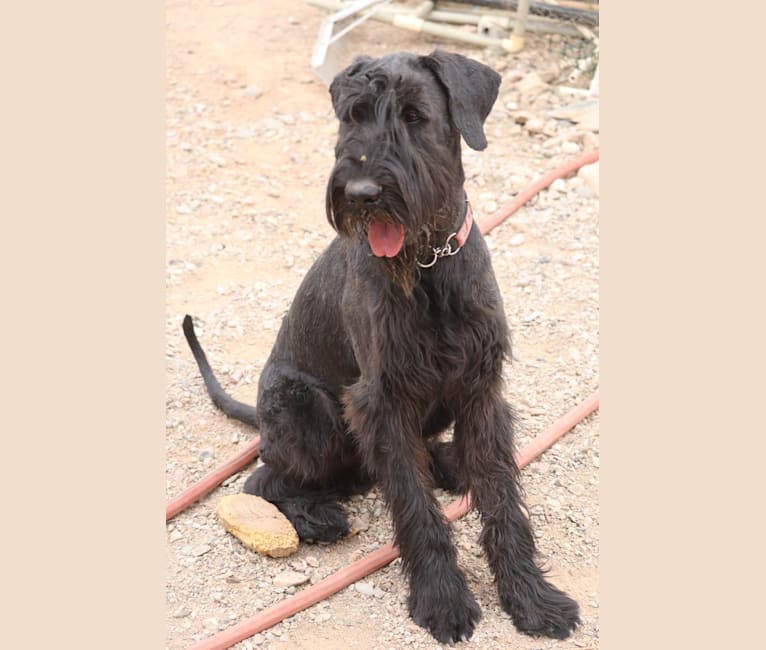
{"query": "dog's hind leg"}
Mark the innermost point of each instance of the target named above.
(315, 513)
(310, 461)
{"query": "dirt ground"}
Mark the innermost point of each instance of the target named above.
(250, 135)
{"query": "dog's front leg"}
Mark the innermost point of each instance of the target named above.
(484, 451)
(394, 452)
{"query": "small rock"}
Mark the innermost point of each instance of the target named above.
(312, 561)
(200, 550)
(550, 128)
(589, 174)
(181, 612)
(175, 536)
(253, 91)
(577, 489)
(290, 579)
(258, 525)
(517, 239)
(570, 147)
(206, 454)
(365, 588)
(531, 317)
(541, 467)
(534, 125)
(217, 159)
(559, 185)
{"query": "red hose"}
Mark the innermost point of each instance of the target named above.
(382, 556)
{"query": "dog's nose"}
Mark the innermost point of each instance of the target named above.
(362, 192)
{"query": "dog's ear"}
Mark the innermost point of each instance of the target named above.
(343, 80)
(472, 89)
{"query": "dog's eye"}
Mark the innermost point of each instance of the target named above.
(411, 116)
(359, 112)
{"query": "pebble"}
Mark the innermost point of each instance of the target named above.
(541, 467)
(534, 125)
(365, 588)
(323, 617)
(175, 536)
(517, 239)
(577, 489)
(559, 185)
(206, 455)
(181, 612)
(570, 147)
(253, 91)
(554, 504)
(589, 174)
(200, 550)
(217, 159)
(290, 579)
(312, 561)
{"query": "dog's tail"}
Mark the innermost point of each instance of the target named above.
(231, 407)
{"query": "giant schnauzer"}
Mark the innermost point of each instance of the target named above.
(396, 333)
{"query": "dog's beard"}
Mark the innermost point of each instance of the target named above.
(403, 269)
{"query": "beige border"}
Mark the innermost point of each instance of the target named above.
(681, 273)
(82, 268)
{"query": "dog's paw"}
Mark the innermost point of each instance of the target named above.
(323, 522)
(446, 608)
(542, 610)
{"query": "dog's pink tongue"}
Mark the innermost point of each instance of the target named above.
(386, 239)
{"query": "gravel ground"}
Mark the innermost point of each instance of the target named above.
(250, 134)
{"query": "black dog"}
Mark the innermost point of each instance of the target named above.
(397, 332)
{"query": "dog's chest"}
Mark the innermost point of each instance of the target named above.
(442, 341)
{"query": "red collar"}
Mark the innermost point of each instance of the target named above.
(460, 237)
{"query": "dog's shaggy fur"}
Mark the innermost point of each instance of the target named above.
(378, 356)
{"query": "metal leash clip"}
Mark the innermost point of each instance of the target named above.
(441, 251)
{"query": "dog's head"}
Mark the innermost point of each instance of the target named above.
(398, 177)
